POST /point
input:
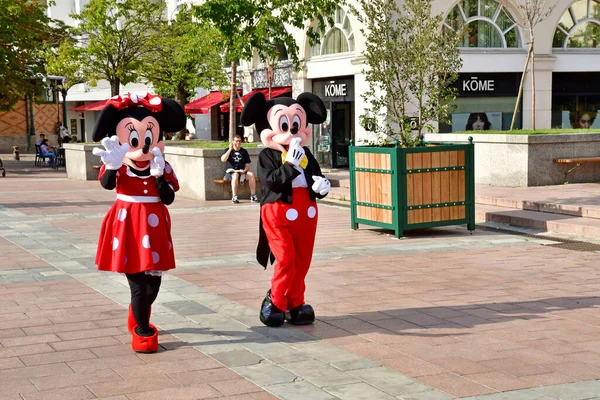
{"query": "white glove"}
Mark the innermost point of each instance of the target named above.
(321, 185)
(113, 156)
(157, 165)
(295, 152)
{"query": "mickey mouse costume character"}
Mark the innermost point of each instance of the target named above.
(290, 181)
(135, 238)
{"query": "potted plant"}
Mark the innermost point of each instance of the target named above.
(397, 181)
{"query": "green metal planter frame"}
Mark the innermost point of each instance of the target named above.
(399, 173)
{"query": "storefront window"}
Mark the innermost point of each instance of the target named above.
(575, 100)
(335, 42)
(579, 27)
(337, 39)
(485, 102)
(488, 24)
(282, 54)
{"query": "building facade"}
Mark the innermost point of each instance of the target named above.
(566, 63)
(28, 119)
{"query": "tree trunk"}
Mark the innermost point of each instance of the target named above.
(529, 52)
(232, 125)
(180, 98)
(114, 87)
(532, 87)
(270, 73)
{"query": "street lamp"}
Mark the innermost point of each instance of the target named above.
(57, 85)
(63, 91)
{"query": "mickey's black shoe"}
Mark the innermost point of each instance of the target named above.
(269, 314)
(301, 315)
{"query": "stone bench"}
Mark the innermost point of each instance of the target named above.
(577, 161)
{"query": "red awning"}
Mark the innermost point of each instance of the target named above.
(275, 92)
(203, 104)
(95, 106)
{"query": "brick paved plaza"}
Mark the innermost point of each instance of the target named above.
(439, 314)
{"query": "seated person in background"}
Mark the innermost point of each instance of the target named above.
(239, 159)
(67, 139)
(188, 135)
(47, 151)
(40, 140)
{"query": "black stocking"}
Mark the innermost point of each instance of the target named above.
(144, 290)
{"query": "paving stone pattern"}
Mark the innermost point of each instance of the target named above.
(438, 315)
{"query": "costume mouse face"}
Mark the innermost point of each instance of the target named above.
(139, 120)
(142, 136)
(280, 120)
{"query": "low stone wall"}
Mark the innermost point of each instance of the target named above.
(527, 160)
(195, 168)
(8, 141)
(79, 161)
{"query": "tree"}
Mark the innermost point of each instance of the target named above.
(65, 60)
(247, 26)
(113, 37)
(410, 60)
(184, 57)
(529, 14)
(24, 27)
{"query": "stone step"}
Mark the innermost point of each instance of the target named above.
(335, 182)
(581, 200)
(529, 219)
(542, 221)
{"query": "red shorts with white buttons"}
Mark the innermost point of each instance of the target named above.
(136, 232)
(290, 229)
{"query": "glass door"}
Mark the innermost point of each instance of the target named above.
(322, 139)
(341, 133)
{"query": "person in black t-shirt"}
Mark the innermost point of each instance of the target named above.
(239, 159)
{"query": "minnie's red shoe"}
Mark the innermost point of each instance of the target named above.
(131, 320)
(144, 344)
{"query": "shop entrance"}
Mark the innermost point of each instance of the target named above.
(341, 132)
(331, 139)
(82, 123)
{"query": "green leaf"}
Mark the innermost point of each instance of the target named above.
(24, 28)
(411, 63)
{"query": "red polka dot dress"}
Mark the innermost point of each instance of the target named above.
(136, 232)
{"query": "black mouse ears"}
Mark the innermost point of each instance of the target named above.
(256, 108)
(314, 107)
(171, 118)
(106, 124)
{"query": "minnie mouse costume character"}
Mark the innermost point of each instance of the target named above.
(290, 181)
(135, 238)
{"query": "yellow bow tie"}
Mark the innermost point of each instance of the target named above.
(303, 162)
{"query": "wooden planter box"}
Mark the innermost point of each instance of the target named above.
(412, 188)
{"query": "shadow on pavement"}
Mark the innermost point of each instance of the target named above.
(454, 318)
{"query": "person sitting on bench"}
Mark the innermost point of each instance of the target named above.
(239, 159)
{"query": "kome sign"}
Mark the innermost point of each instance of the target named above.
(335, 90)
(478, 85)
